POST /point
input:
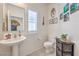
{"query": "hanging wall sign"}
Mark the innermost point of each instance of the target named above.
(54, 19)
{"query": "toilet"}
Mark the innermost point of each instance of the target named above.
(49, 46)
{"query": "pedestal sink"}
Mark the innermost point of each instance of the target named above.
(13, 43)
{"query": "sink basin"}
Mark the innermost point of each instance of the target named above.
(12, 41)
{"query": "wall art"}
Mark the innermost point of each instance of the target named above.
(73, 7)
(53, 12)
(61, 16)
(66, 7)
(66, 17)
(53, 20)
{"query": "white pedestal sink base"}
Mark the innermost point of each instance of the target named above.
(15, 50)
(13, 42)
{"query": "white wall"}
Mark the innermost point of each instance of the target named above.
(70, 27)
(53, 29)
(4, 50)
(34, 40)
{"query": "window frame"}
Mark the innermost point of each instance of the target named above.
(34, 31)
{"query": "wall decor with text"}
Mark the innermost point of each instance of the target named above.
(54, 19)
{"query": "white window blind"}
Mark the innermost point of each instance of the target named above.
(32, 20)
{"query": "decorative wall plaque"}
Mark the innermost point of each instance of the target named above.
(54, 19)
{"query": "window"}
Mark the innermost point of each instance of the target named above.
(32, 20)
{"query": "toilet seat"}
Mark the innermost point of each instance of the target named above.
(49, 45)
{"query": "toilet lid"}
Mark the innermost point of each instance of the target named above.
(48, 43)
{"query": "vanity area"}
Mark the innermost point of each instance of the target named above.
(13, 43)
(11, 28)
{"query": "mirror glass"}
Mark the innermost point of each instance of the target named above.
(14, 18)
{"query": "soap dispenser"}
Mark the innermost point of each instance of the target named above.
(19, 33)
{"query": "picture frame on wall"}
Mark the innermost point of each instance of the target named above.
(54, 19)
(74, 7)
(61, 16)
(66, 8)
(66, 17)
(78, 6)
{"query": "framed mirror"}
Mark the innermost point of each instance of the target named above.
(15, 16)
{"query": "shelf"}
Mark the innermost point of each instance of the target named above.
(67, 51)
(64, 49)
(58, 48)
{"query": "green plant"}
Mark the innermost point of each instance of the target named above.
(64, 36)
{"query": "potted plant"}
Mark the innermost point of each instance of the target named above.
(64, 37)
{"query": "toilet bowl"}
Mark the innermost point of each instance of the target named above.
(49, 46)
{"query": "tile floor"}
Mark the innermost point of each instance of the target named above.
(41, 52)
